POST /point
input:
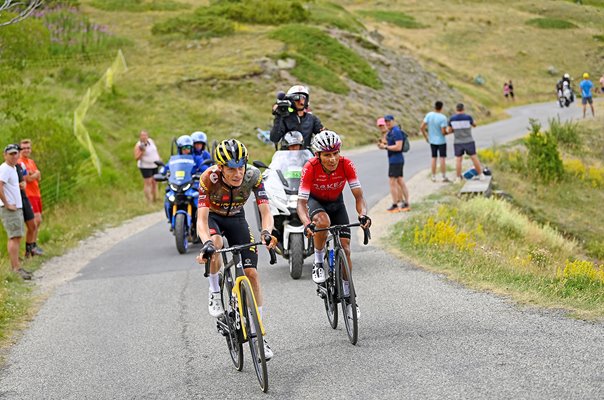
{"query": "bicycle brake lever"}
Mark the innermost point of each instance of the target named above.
(367, 236)
(273, 255)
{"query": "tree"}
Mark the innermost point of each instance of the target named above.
(22, 9)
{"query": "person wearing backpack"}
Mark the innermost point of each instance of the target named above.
(395, 139)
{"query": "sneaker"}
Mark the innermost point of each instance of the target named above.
(268, 353)
(393, 208)
(37, 251)
(445, 179)
(405, 207)
(433, 178)
(481, 177)
(318, 273)
(25, 275)
(349, 312)
(458, 180)
(214, 304)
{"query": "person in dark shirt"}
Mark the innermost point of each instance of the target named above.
(291, 114)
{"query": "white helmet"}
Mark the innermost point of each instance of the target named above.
(292, 138)
(298, 90)
(326, 141)
(566, 76)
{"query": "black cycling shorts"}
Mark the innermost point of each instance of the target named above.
(336, 210)
(236, 231)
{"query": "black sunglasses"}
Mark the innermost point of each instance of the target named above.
(298, 97)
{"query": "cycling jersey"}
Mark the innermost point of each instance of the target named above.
(327, 187)
(226, 200)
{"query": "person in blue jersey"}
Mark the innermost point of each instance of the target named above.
(586, 96)
(200, 142)
(394, 145)
(461, 125)
(434, 129)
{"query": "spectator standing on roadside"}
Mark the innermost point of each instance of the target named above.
(511, 89)
(11, 211)
(586, 96)
(461, 125)
(506, 90)
(145, 153)
(436, 124)
(28, 212)
(394, 145)
(32, 190)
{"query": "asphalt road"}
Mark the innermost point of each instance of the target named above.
(134, 325)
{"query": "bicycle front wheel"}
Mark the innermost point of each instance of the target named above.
(349, 303)
(231, 314)
(254, 334)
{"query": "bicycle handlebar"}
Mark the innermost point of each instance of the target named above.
(338, 228)
(238, 248)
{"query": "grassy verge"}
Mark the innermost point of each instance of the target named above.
(543, 247)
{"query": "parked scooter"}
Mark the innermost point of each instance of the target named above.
(281, 182)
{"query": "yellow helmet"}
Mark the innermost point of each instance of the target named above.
(231, 152)
(585, 75)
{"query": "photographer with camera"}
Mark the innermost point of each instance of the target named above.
(291, 114)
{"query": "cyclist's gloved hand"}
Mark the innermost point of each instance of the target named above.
(269, 240)
(309, 230)
(365, 221)
(207, 250)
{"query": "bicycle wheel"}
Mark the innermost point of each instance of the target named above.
(331, 296)
(254, 334)
(233, 335)
(351, 321)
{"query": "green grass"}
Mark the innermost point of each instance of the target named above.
(328, 52)
(551, 23)
(334, 16)
(139, 5)
(399, 19)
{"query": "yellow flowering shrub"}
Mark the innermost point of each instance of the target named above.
(443, 233)
(582, 270)
(575, 168)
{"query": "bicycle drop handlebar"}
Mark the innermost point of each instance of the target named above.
(338, 228)
(238, 249)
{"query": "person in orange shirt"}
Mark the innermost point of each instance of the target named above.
(32, 190)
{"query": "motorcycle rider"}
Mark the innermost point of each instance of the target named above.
(292, 140)
(321, 202)
(224, 189)
(291, 114)
(560, 86)
(200, 140)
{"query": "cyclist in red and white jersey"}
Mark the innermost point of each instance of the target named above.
(321, 203)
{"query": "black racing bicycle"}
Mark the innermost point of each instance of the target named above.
(332, 290)
(238, 301)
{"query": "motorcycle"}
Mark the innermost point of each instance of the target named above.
(281, 182)
(180, 203)
(565, 95)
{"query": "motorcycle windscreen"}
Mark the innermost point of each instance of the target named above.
(180, 169)
(290, 163)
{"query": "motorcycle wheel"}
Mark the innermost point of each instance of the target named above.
(296, 255)
(180, 233)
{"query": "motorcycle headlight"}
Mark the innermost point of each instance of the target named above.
(172, 198)
(186, 187)
(174, 187)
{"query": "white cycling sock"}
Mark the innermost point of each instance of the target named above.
(346, 287)
(319, 255)
(214, 282)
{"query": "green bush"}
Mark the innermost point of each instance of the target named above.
(392, 17)
(195, 26)
(265, 12)
(551, 23)
(334, 16)
(565, 133)
(139, 5)
(24, 41)
(544, 160)
(306, 70)
(328, 53)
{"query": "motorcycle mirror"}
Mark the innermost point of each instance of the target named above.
(283, 180)
(160, 178)
(209, 161)
(259, 164)
(159, 163)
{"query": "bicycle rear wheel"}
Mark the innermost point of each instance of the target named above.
(331, 296)
(254, 334)
(350, 319)
(233, 335)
